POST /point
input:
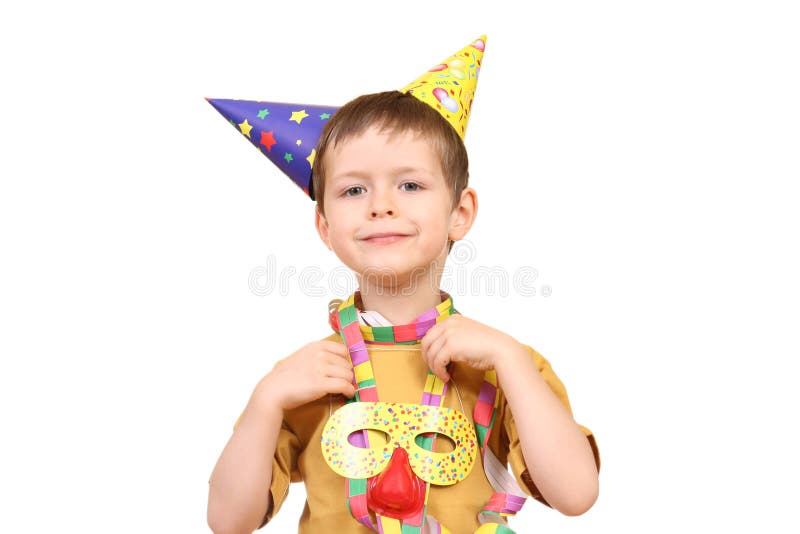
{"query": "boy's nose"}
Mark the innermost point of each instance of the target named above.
(382, 202)
(387, 211)
(396, 491)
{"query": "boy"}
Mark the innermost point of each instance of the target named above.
(390, 180)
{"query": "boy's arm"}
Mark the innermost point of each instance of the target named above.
(239, 496)
(557, 454)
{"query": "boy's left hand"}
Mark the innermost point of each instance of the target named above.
(460, 339)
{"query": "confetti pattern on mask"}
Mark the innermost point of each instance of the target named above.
(403, 423)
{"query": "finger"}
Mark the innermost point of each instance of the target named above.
(431, 336)
(343, 367)
(338, 385)
(337, 371)
(431, 344)
(439, 366)
(336, 348)
(435, 350)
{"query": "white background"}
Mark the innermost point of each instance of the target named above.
(642, 156)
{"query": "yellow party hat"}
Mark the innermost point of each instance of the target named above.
(449, 87)
(287, 133)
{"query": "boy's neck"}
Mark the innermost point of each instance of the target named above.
(400, 306)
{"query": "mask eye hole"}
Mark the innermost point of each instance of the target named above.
(377, 438)
(443, 443)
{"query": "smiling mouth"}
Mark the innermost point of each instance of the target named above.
(384, 239)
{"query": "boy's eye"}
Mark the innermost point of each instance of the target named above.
(415, 186)
(356, 188)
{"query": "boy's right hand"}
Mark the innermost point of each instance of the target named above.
(316, 369)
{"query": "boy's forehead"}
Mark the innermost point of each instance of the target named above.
(399, 150)
(364, 172)
(380, 129)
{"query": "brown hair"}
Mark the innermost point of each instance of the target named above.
(394, 112)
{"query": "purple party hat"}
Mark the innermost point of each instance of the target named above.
(286, 133)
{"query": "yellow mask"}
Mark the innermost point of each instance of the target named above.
(402, 423)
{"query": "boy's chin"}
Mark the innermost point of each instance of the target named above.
(391, 275)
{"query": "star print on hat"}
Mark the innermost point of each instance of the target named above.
(288, 133)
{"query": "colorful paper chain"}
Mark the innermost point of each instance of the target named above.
(355, 336)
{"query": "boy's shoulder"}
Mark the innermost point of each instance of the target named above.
(541, 361)
(542, 364)
(334, 336)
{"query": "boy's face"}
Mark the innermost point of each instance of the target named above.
(387, 206)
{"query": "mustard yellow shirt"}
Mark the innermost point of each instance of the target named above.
(400, 377)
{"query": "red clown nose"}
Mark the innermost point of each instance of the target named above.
(396, 492)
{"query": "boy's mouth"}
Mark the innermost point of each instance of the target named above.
(381, 238)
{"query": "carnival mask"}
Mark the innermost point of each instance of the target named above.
(399, 466)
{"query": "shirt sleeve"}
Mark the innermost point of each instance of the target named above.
(284, 469)
(515, 458)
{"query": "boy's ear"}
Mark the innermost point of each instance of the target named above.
(463, 214)
(322, 226)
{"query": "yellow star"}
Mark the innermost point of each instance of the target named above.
(299, 142)
(245, 127)
(298, 116)
(311, 157)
